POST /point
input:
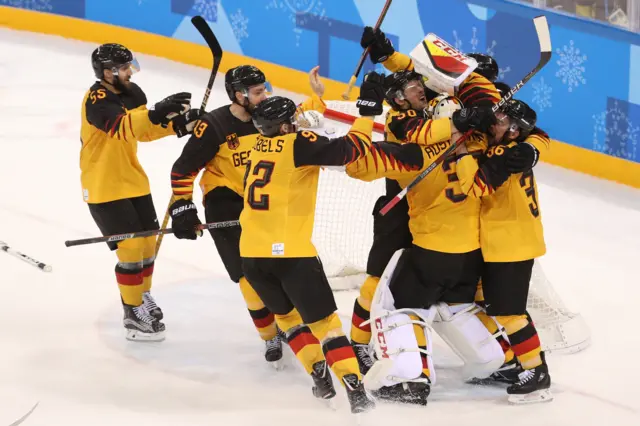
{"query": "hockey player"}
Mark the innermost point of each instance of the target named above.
(220, 145)
(114, 185)
(473, 90)
(511, 236)
(487, 66)
(278, 256)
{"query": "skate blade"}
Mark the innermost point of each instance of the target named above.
(138, 336)
(543, 395)
(278, 365)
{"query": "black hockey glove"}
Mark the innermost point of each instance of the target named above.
(169, 107)
(185, 123)
(369, 102)
(380, 47)
(478, 118)
(494, 168)
(523, 158)
(184, 219)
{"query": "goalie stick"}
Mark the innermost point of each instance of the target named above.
(354, 77)
(544, 39)
(120, 237)
(205, 30)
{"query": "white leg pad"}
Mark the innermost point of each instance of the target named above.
(469, 338)
(393, 338)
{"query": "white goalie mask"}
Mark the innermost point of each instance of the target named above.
(443, 105)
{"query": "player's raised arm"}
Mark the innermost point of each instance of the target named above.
(313, 149)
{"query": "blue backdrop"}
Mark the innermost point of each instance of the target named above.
(588, 95)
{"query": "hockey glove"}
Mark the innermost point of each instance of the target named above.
(184, 219)
(169, 107)
(185, 123)
(477, 118)
(494, 169)
(369, 102)
(380, 47)
(523, 158)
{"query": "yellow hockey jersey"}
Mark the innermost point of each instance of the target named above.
(281, 184)
(441, 217)
(112, 125)
(510, 216)
(220, 145)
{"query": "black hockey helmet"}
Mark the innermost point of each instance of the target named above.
(273, 112)
(109, 56)
(487, 66)
(522, 116)
(395, 83)
(241, 78)
(502, 88)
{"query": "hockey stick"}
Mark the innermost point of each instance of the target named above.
(354, 77)
(205, 30)
(120, 237)
(30, 260)
(544, 39)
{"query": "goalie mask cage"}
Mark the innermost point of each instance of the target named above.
(343, 234)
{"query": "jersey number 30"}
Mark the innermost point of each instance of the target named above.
(266, 169)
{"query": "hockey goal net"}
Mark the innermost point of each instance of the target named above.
(343, 235)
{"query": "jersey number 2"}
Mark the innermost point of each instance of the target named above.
(262, 202)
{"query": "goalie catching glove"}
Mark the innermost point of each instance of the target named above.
(184, 218)
(369, 102)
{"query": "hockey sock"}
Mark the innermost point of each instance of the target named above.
(421, 338)
(361, 312)
(336, 347)
(129, 271)
(524, 339)
(148, 262)
(261, 316)
(491, 325)
(301, 341)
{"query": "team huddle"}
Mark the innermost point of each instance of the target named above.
(455, 257)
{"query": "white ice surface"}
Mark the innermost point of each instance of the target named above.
(60, 334)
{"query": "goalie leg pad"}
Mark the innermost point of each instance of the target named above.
(469, 338)
(393, 338)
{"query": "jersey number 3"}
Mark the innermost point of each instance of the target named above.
(266, 169)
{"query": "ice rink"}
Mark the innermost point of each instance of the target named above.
(61, 336)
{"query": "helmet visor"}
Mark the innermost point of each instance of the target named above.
(133, 65)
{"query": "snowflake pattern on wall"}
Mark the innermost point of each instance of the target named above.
(39, 5)
(571, 65)
(239, 25)
(620, 134)
(208, 9)
(300, 10)
(473, 42)
(541, 94)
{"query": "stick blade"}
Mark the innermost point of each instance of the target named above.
(205, 30)
(544, 36)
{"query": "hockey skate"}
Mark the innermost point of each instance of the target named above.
(364, 358)
(358, 398)
(141, 326)
(532, 387)
(322, 381)
(150, 305)
(406, 393)
(507, 374)
(273, 351)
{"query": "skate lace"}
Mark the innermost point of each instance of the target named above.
(142, 314)
(149, 301)
(363, 355)
(273, 343)
(525, 377)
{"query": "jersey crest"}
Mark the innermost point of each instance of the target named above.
(232, 141)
